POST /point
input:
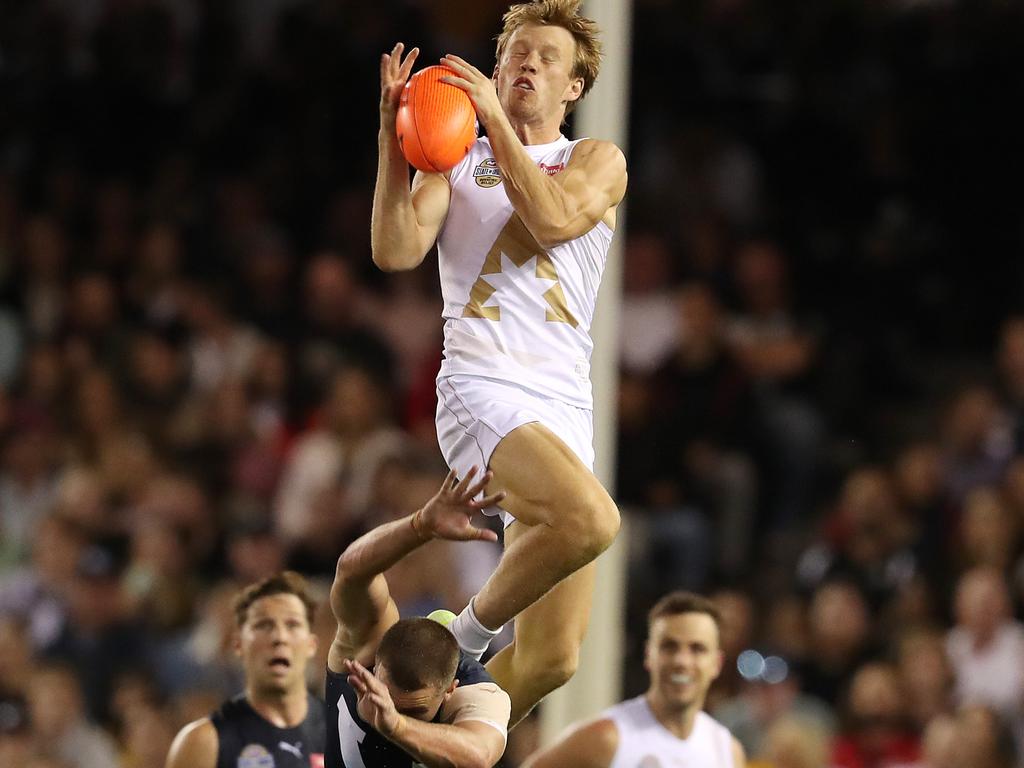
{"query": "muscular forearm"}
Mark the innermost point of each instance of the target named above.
(394, 231)
(441, 746)
(540, 201)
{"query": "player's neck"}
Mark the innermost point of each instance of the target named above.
(283, 710)
(678, 722)
(538, 133)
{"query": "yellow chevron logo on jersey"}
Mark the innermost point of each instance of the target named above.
(487, 174)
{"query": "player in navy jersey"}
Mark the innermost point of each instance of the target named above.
(275, 721)
(399, 692)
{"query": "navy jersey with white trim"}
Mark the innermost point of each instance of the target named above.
(247, 740)
(352, 743)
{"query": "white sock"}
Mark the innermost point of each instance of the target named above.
(473, 636)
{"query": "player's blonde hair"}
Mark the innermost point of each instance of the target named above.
(565, 14)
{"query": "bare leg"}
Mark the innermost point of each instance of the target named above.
(565, 516)
(548, 635)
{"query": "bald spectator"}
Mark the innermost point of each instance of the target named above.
(986, 647)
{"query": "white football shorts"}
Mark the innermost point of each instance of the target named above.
(474, 414)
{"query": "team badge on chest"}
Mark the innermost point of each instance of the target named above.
(255, 756)
(487, 174)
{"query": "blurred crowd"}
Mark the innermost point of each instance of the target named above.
(821, 410)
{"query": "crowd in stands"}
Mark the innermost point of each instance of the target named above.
(203, 378)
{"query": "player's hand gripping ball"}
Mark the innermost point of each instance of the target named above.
(436, 121)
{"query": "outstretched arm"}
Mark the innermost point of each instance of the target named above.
(466, 744)
(405, 222)
(360, 598)
(554, 208)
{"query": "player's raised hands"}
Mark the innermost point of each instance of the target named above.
(478, 86)
(447, 515)
(373, 699)
(394, 72)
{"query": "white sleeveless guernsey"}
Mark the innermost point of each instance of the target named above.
(646, 743)
(514, 311)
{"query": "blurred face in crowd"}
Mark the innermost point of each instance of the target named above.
(792, 743)
(989, 532)
(839, 621)
(683, 657)
(978, 739)
(939, 743)
(1011, 356)
(970, 419)
(918, 474)
(275, 643)
(877, 707)
(761, 277)
(93, 303)
(927, 678)
(982, 603)
(355, 403)
(330, 288)
(699, 314)
(649, 264)
(54, 701)
(15, 653)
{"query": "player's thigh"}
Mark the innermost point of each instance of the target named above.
(553, 628)
(542, 477)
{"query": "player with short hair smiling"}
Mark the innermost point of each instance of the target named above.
(523, 225)
(666, 725)
(275, 720)
(399, 692)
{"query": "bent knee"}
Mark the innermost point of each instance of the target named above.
(593, 521)
(552, 669)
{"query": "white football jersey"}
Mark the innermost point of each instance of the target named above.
(646, 743)
(514, 311)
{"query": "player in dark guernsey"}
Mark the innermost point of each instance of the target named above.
(399, 692)
(275, 722)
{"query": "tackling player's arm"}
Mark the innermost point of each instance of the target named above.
(405, 221)
(592, 745)
(195, 746)
(554, 208)
(360, 598)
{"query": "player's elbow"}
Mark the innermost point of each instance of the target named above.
(345, 570)
(389, 261)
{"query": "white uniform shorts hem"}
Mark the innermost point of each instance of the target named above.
(474, 414)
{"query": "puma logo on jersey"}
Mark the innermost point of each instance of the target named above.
(487, 174)
(295, 749)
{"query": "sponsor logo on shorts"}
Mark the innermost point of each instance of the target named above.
(487, 174)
